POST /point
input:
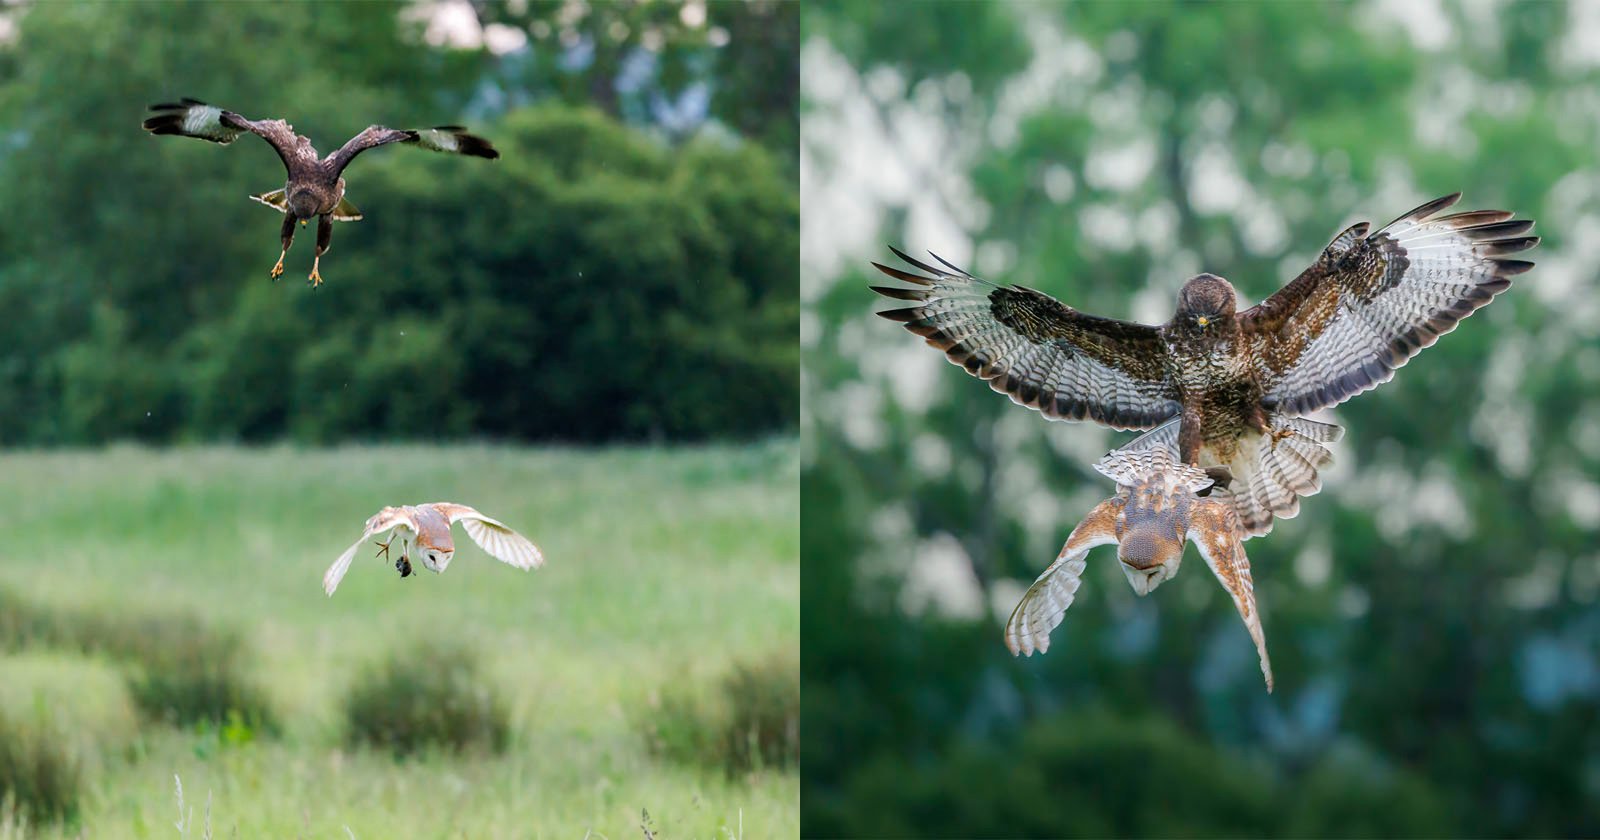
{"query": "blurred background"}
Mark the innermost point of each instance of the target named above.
(591, 339)
(1431, 615)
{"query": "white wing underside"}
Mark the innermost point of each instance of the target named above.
(499, 541)
(386, 520)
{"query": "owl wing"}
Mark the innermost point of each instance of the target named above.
(500, 542)
(193, 118)
(384, 520)
(1214, 529)
(1044, 354)
(1130, 467)
(1371, 302)
(1046, 601)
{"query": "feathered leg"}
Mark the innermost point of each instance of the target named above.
(288, 239)
(324, 237)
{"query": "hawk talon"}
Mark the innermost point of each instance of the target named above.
(315, 279)
(1279, 434)
(277, 270)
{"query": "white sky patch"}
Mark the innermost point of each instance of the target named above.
(1215, 186)
(1107, 226)
(1120, 165)
(1058, 182)
(941, 580)
(448, 23)
(1424, 20)
(1581, 48)
(502, 39)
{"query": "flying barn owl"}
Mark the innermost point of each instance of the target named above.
(1153, 515)
(427, 529)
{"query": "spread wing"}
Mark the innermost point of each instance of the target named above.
(1046, 601)
(445, 138)
(384, 520)
(500, 542)
(1044, 354)
(1131, 466)
(1371, 302)
(193, 118)
(1215, 530)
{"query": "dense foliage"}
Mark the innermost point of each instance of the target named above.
(605, 279)
(1431, 614)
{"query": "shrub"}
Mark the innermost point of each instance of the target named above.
(432, 695)
(751, 722)
(40, 778)
(198, 680)
(178, 669)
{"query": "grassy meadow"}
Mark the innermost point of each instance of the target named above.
(666, 568)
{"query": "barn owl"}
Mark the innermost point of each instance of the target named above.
(1153, 515)
(427, 529)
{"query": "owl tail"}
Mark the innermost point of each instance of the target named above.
(1269, 475)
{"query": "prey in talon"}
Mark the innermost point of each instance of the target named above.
(424, 531)
(315, 189)
(1156, 512)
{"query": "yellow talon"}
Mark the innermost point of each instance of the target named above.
(315, 278)
(277, 270)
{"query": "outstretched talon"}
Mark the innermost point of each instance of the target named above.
(277, 270)
(1279, 434)
(315, 279)
(383, 548)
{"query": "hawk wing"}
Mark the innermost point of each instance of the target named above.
(445, 138)
(383, 520)
(500, 542)
(193, 118)
(1215, 530)
(1046, 601)
(1044, 354)
(1371, 302)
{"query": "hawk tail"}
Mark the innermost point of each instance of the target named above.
(1270, 474)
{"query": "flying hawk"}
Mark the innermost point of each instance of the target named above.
(1153, 515)
(427, 527)
(1225, 388)
(315, 187)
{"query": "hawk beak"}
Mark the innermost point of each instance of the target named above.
(302, 222)
(1201, 320)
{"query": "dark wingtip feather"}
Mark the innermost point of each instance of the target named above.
(164, 124)
(915, 262)
(1511, 268)
(472, 144)
(900, 274)
(901, 294)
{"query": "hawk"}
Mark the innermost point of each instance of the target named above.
(315, 187)
(428, 528)
(1155, 512)
(1226, 389)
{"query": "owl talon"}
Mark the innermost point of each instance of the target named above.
(383, 548)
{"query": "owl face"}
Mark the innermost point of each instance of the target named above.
(1150, 552)
(435, 559)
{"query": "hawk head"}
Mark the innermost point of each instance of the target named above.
(303, 204)
(1205, 303)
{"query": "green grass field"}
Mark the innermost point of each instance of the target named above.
(664, 568)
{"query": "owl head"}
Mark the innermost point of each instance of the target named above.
(1150, 550)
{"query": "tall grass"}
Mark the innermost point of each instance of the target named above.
(430, 695)
(178, 669)
(749, 722)
(40, 777)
